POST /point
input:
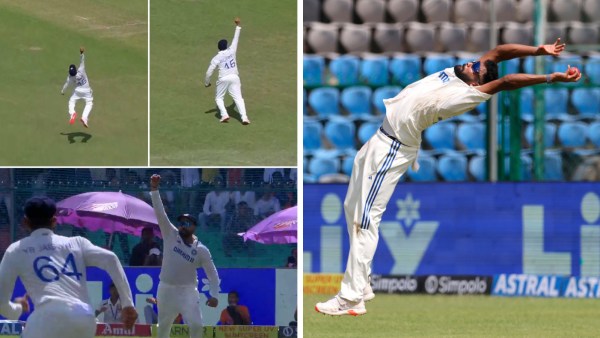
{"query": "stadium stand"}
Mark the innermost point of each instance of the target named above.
(357, 53)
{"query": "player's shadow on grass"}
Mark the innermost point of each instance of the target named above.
(230, 110)
(71, 136)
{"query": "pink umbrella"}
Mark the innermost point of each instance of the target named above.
(108, 211)
(279, 228)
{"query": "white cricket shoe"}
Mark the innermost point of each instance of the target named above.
(245, 121)
(368, 292)
(84, 122)
(224, 119)
(338, 306)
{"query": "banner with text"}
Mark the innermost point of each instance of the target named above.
(546, 286)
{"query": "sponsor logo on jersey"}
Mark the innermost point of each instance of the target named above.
(184, 255)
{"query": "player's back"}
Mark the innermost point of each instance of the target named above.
(51, 267)
(226, 62)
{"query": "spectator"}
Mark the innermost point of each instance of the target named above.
(292, 259)
(152, 317)
(235, 314)
(110, 308)
(267, 205)
(154, 258)
(269, 173)
(241, 221)
(214, 206)
(140, 251)
(244, 195)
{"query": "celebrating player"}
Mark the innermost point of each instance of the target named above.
(381, 161)
(229, 79)
(178, 287)
(52, 269)
(82, 91)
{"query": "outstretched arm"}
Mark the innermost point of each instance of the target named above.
(511, 51)
(516, 81)
(166, 228)
(236, 35)
(82, 59)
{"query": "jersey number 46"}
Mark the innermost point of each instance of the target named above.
(47, 270)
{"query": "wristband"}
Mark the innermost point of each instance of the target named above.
(548, 79)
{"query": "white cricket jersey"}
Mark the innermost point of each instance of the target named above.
(180, 261)
(225, 60)
(113, 313)
(80, 80)
(436, 97)
(53, 268)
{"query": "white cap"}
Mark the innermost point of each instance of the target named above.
(155, 251)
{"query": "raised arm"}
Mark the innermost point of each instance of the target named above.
(236, 35)
(511, 51)
(166, 228)
(516, 81)
(8, 277)
(82, 59)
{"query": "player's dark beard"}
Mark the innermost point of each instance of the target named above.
(186, 233)
(459, 71)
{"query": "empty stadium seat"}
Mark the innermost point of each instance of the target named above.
(479, 37)
(553, 166)
(555, 30)
(508, 67)
(452, 37)
(340, 132)
(526, 100)
(436, 10)
(420, 37)
(357, 100)
(438, 62)
(426, 172)
(406, 69)
(529, 64)
(374, 70)
(517, 33)
(549, 134)
(313, 66)
(403, 10)
(592, 69)
(312, 10)
(572, 134)
(441, 135)
(322, 166)
(366, 130)
(389, 37)
(355, 38)
(347, 165)
(556, 101)
(323, 38)
(304, 100)
(587, 102)
(324, 101)
(477, 168)
(472, 135)
(371, 10)
(338, 10)
(566, 10)
(594, 133)
(591, 9)
(345, 69)
(505, 10)
(452, 167)
(383, 93)
(312, 135)
(525, 10)
(469, 11)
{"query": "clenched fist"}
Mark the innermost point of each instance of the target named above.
(154, 182)
(81, 50)
(129, 316)
(237, 21)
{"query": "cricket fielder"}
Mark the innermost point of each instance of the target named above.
(381, 161)
(52, 269)
(178, 287)
(229, 79)
(82, 91)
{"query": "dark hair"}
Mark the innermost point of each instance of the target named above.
(491, 73)
(222, 44)
(40, 211)
(233, 293)
(72, 70)
(146, 229)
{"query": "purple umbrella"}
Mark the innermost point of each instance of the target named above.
(279, 228)
(107, 211)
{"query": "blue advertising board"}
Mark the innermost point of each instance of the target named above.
(545, 286)
(465, 229)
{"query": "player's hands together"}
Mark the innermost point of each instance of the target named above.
(129, 315)
(237, 21)
(212, 302)
(154, 182)
(568, 76)
(552, 49)
(24, 301)
(81, 50)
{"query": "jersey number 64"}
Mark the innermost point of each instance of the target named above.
(47, 270)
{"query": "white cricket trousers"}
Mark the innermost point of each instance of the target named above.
(57, 319)
(82, 95)
(230, 83)
(173, 300)
(378, 166)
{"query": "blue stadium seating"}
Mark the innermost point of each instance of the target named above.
(477, 168)
(529, 64)
(556, 101)
(592, 69)
(526, 166)
(374, 71)
(587, 102)
(572, 134)
(313, 68)
(426, 172)
(472, 135)
(383, 93)
(321, 166)
(594, 133)
(340, 132)
(508, 67)
(553, 166)
(324, 101)
(526, 100)
(441, 135)
(452, 167)
(435, 63)
(347, 164)
(304, 102)
(366, 130)
(357, 100)
(406, 69)
(549, 134)
(345, 69)
(312, 135)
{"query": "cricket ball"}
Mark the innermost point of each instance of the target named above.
(573, 70)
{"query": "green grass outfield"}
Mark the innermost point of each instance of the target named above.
(458, 316)
(185, 129)
(39, 39)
